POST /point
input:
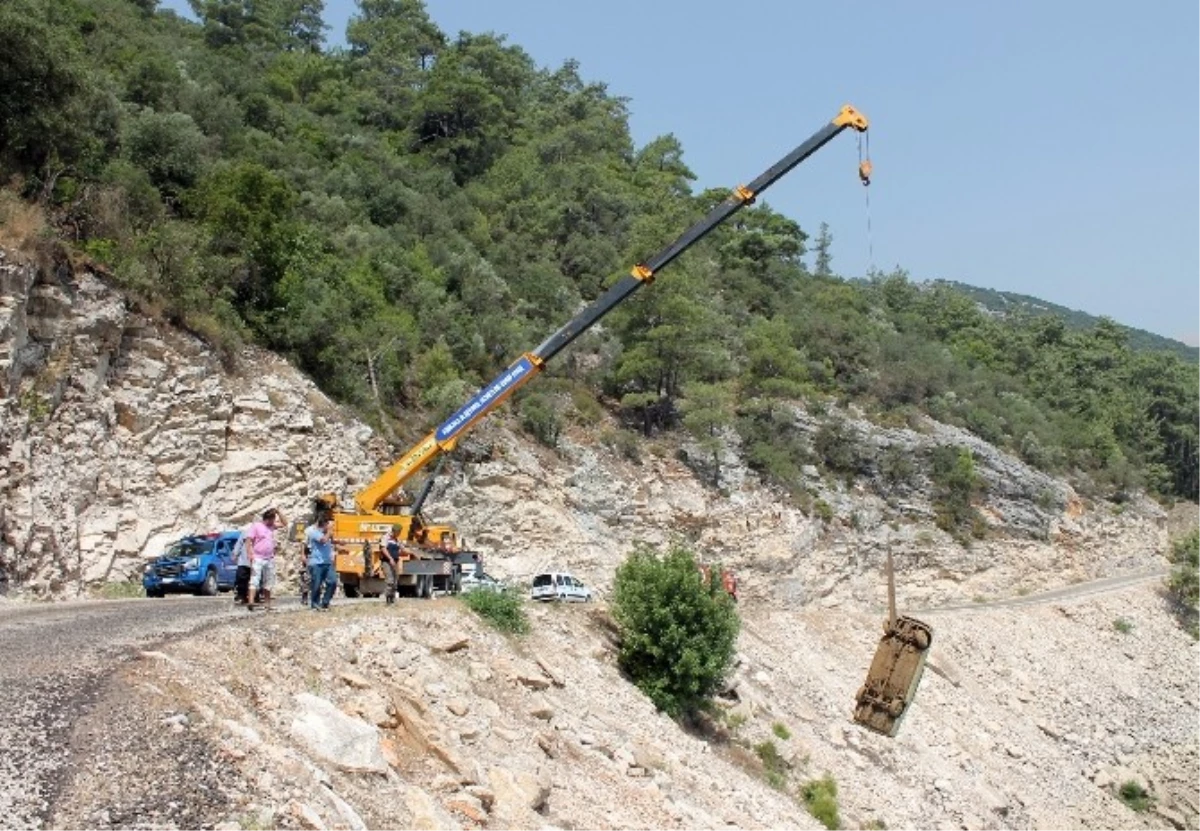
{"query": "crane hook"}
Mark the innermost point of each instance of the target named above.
(864, 159)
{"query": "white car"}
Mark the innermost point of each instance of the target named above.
(557, 585)
(472, 582)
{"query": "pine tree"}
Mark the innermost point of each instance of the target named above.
(824, 261)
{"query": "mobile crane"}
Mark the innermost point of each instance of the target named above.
(433, 552)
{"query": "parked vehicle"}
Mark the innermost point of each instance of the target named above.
(472, 582)
(200, 564)
(559, 586)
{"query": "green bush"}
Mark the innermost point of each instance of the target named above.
(955, 487)
(677, 634)
(1123, 626)
(1184, 580)
(1135, 796)
(820, 798)
(773, 764)
(586, 409)
(837, 444)
(897, 467)
(627, 444)
(1185, 576)
(780, 730)
(823, 510)
(502, 610)
(540, 418)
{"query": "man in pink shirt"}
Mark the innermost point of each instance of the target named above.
(260, 545)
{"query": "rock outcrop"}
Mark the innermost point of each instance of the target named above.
(120, 433)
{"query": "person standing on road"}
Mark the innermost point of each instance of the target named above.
(389, 549)
(305, 575)
(261, 542)
(241, 581)
(320, 564)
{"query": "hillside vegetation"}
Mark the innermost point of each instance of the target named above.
(1014, 304)
(403, 216)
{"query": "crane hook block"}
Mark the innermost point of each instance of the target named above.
(864, 172)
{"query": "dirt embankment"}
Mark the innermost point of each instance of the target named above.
(421, 716)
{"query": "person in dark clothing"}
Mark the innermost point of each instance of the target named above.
(305, 574)
(241, 581)
(389, 547)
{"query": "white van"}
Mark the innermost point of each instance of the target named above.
(557, 585)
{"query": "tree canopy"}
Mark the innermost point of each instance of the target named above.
(404, 215)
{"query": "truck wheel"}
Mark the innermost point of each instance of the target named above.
(155, 593)
(209, 588)
(350, 590)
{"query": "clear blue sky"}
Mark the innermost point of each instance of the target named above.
(1046, 148)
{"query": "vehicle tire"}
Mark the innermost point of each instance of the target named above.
(155, 593)
(209, 587)
(350, 590)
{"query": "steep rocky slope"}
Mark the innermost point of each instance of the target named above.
(420, 716)
(120, 433)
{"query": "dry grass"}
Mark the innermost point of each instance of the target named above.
(22, 225)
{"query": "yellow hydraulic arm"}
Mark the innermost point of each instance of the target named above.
(530, 364)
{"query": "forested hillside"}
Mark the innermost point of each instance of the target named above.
(404, 216)
(1014, 304)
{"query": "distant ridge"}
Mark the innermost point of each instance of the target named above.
(1007, 302)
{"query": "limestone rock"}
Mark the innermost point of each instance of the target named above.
(348, 743)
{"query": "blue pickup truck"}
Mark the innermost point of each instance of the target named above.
(202, 564)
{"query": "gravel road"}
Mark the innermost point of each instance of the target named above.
(54, 663)
(1073, 592)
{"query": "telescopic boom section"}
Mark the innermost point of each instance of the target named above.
(530, 364)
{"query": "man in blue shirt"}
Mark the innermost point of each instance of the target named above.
(320, 563)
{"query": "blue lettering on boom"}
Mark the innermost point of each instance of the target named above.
(486, 398)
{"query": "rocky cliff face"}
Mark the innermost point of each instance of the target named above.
(121, 433)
